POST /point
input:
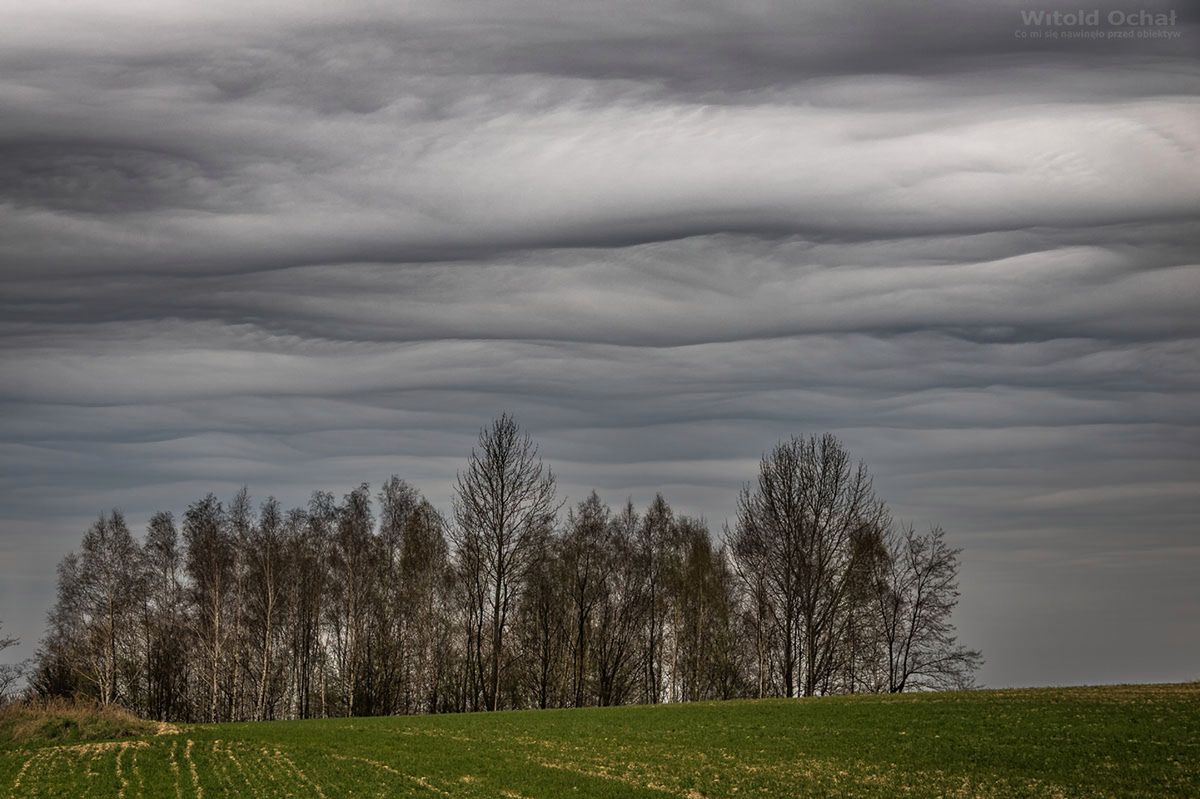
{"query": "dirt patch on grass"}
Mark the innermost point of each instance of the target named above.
(166, 728)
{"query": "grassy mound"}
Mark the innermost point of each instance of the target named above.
(29, 724)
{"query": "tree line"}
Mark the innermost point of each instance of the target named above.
(380, 604)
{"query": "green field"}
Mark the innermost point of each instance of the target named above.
(1086, 742)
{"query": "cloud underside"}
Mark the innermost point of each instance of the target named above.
(304, 250)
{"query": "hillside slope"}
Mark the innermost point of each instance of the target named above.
(1087, 742)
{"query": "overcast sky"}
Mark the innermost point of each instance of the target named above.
(305, 245)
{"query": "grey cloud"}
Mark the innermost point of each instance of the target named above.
(489, 159)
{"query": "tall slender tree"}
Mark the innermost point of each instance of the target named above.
(164, 609)
(620, 612)
(211, 569)
(584, 553)
(266, 571)
(653, 548)
(352, 559)
(503, 501)
(424, 577)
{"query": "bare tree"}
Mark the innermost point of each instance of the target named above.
(10, 673)
(916, 591)
(860, 657)
(7, 640)
(705, 657)
(503, 499)
(620, 612)
(98, 595)
(241, 667)
(471, 594)
(796, 526)
(424, 576)
(352, 560)
(768, 547)
(210, 566)
(584, 549)
(542, 624)
(759, 603)
(654, 541)
(392, 625)
(308, 546)
(264, 595)
(164, 611)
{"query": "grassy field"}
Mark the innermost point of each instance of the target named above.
(1086, 742)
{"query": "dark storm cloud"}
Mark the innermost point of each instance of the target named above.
(495, 144)
(304, 246)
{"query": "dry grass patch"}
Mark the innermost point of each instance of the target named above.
(53, 722)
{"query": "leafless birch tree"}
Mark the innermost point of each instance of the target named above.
(502, 501)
